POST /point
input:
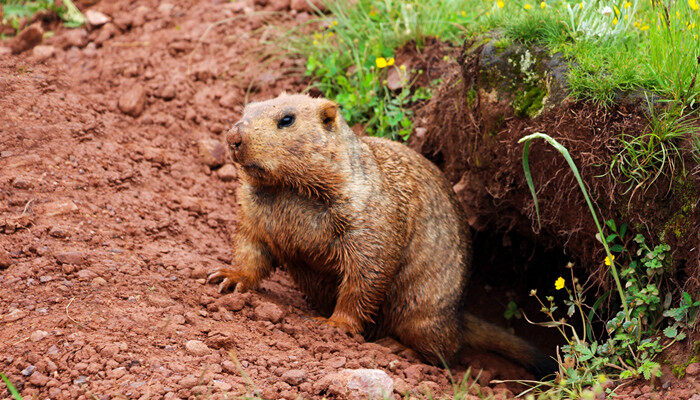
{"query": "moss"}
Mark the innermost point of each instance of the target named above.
(529, 102)
(471, 97)
(684, 193)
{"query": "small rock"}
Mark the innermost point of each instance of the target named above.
(5, 259)
(5, 51)
(396, 79)
(197, 348)
(133, 101)
(306, 5)
(294, 377)
(227, 173)
(21, 182)
(27, 39)
(229, 100)
(96, 18)
(29, 370)
(13, 315)
(221, 385)
(420, 132)
(116, 373)
(269, 312)
(166, 92)
(188, 382)
(42, 53)
(232, 302)
(212, 152)
(45, 278)
(160, 301)
(693, 369)
(357, 384)
(72, 257)
(76, 37)
(230, 367)
(38, 379)
(58, 232)
(38, 335)
(85, 274)
(99, 281)
(58, 207)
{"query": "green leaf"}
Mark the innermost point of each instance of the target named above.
(617, 248)
(671, 332)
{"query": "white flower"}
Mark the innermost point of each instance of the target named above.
(606, 10)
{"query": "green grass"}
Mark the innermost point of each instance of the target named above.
(10, 387)
(345, 59)
(13, 11)
(654, 152)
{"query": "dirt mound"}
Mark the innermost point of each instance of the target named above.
(494, 96)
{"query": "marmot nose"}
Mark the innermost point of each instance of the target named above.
(234, 137)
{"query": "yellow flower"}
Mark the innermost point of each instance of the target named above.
(580, 6)
(381, 62)
(335, 23)
(315, 42)
(543, 5)
(691, 25)
(615, 21)
(390, 62)
(694, 4)
(625, 17)
(627, 4)
(402, 67)
(617, 10)
(527, 6)
(644, 27)
(464, 14)
(602, 378)
(636, 24)
(608, 261)
(500, 3)
(559, 283)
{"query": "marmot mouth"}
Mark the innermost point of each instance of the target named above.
(253, 169)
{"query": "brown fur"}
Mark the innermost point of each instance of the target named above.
(368, 229)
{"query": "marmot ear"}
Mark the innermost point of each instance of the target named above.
(328, 113)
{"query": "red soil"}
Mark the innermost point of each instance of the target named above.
(109, 220)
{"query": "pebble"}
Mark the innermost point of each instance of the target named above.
(133, 101)
(269, 312)
(58, 207)
(357, 383)
(693, 369)
(42, 53)
(99, 281)
(29, 370)
(38, 335)
(38, 379)
(294, 377)
(96, 18)
(221, 385)
(76, 37)
(227, 173)
(232, 302)
(166, 92)
(72, 257)
(5, 259)
(27, 39)
(212, 152)
(188, 382)
(197, 348)
(229, 100)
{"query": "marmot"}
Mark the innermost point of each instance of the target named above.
(368, 229)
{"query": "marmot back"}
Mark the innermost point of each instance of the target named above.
(368, 229)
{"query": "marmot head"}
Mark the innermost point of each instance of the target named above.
(288, 140)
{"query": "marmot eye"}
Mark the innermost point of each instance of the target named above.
(285, 121)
